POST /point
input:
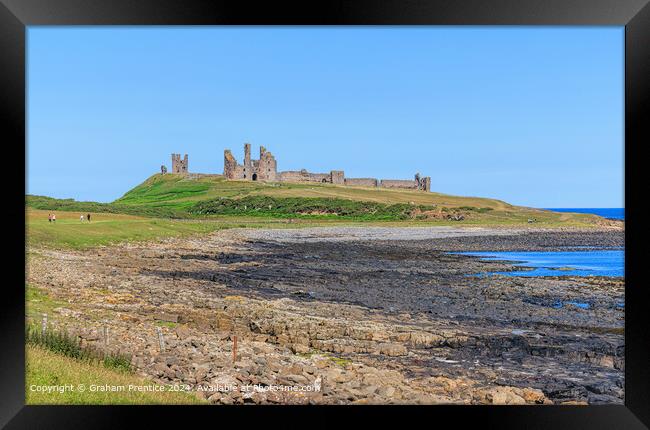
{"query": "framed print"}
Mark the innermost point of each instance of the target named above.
(423, 208)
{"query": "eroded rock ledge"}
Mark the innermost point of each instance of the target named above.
(366, 321)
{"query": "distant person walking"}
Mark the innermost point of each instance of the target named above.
(54, 218)
(49, 218)
(88, 217)
(81, 218)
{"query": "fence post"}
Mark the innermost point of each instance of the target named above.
(234, 349)
(161, 340)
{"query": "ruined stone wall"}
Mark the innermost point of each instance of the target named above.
(290, 176)
(247, 154)
(399, 183)
(337, 177)
(425, 184)
(361, 182)
(179, 165)
(320, 177)
(230, 167)
(304, 176)
(267, 167)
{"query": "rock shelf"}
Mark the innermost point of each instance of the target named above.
(349, 315)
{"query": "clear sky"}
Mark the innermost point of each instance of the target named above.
(530, 115)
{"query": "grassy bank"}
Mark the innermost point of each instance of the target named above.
(108, 228)
(56, 359)
(105, 229)
(70, 205)
(207, 196)
(46, 368)
(176, 205)
(179, 192)
(62, 343)
(308, 207)
(214, 198)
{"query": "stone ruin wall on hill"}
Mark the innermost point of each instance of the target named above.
(265, 169)
(362, 182)
(304, 176)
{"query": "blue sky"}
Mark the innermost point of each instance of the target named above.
(530, 115)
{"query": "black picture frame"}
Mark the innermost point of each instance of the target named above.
(16, 15)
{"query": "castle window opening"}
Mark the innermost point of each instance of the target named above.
(255, 176)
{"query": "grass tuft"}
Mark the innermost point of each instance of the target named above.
(62, 343)
(45, 368)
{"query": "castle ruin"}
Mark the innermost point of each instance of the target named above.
(178, 165)
(265, 169)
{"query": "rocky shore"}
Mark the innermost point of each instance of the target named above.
(348, 315)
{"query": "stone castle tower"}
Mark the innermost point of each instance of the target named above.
(263, 169)
(178, 165)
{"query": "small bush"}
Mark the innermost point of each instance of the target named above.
(58, 342)
(118, 362)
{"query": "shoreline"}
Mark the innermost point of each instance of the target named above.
(390, 320)
(447, 238)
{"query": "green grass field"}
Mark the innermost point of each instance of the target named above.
(177, 191)
(108, 228)
(183, 194)
(175, 205)
(105, 229)
(45, 368)
(219, 203)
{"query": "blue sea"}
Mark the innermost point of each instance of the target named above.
(608, 262)
(611, 213)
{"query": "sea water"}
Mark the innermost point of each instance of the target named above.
(560, 263)
(611, 213)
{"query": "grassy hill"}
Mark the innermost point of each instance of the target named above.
(174, 205)
(181, 192)
(214, 196)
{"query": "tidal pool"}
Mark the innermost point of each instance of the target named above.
(560, 263)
